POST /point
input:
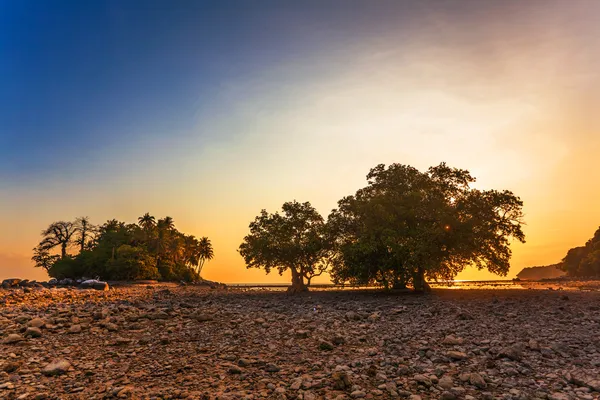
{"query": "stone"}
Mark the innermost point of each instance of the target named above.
(456, 355)
(33, 332)
(272, 368)
(36, 323)
(446, 382)
(12, 339)
(423, 380)
(75, 328)
(325, 346)
(341, 380)
(477, 380)
(452, 340)
(57, 367)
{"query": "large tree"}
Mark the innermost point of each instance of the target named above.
(406, 226)
(58, 234)
(84, 231)
(295, 240)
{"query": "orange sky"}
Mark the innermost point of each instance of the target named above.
(514, 100)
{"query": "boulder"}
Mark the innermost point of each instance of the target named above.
(11, 282)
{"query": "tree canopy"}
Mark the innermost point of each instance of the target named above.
(295, 240)
(406, 226)
(584, 261)
(116, 250)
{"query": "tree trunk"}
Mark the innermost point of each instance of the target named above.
(298, 285)
(63, 249)
(419, 281)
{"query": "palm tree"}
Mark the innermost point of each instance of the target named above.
(205, 252)
(164, 228)
(147, 221)
(58, 234)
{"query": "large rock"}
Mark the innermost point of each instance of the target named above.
(11, 282)
(57, 367)
(94, 284)
(13, 338)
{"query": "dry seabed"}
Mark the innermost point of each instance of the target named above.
(197, 343)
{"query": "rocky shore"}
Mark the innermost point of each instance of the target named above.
(190, 342)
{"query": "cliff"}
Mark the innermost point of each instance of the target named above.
(537, 273)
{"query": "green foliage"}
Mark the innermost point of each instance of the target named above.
(66, 267)
(132, 263)
(119, 251)
(296, 240)
(584, 261)
(406, 225)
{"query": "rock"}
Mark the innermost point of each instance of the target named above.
(302, 334)
(558, 396)
(11, 282)
(234, 370)
(456, 355)
(452, 340)
(446, 395)
(57, 367)
(477, 380)
(242, 362)
(33, 332)
(94, 284)
(202, 317)
(76, 328)
(423, 380)
(37, 323)
(341, 380)
(514, 353)
(272, 368)
(12, 339)
(325, 346)
(446, 382)
(352, 316)
(358, 394)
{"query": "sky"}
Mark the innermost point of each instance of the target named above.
(211, 111)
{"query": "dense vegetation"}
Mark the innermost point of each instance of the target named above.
(150, 249)
(584, 261)
(403, 228)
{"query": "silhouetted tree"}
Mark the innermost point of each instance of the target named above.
(295, 240)
(58, 234)
(406, 226)
(43, 259)
(84, 230)
(583, 261)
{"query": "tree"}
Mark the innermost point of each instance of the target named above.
(58, 234)
(295, 240)
(147, 222)
(406, 226)
(43, 259)
(583, 261)
(132, 263)
(84, 230)
(205, 252)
